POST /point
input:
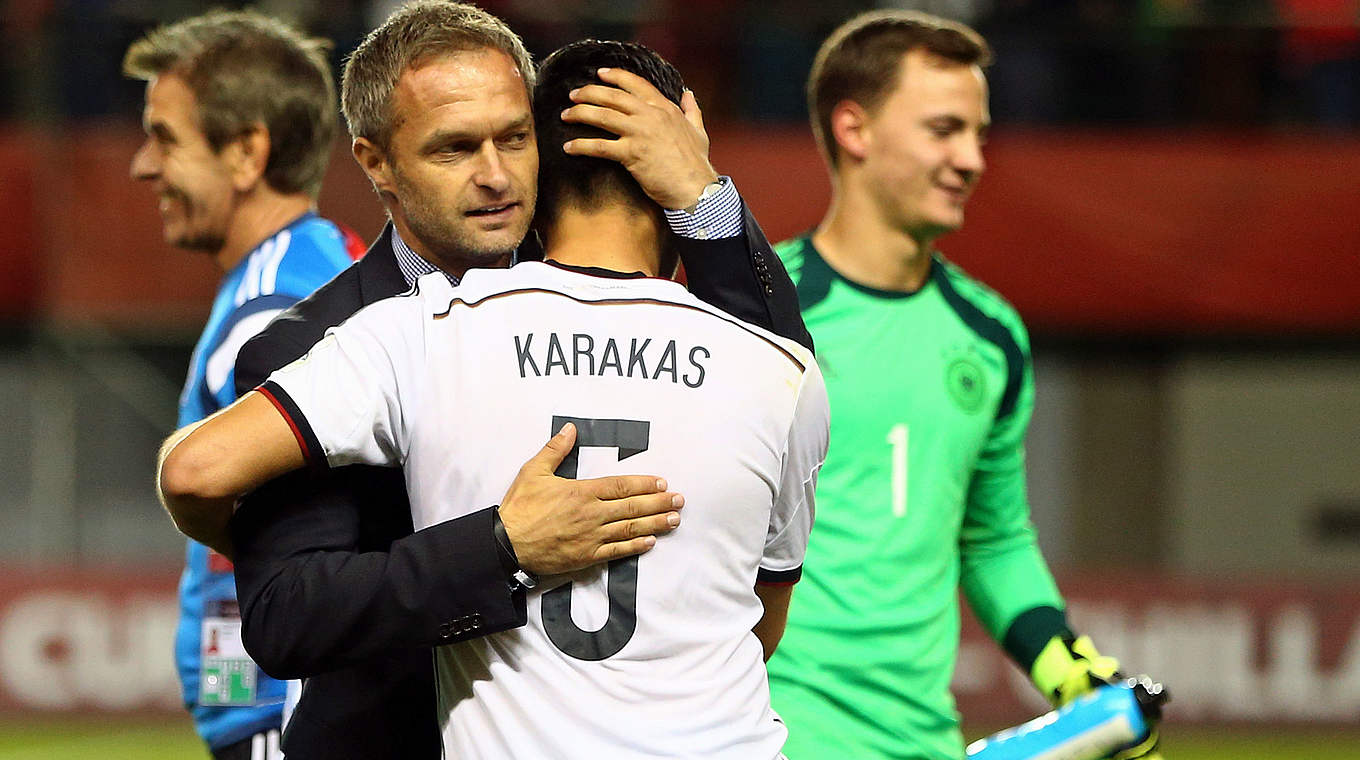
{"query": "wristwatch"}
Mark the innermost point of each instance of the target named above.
(518, 578)
(710, 190)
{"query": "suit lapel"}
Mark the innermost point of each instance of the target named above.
(379, 275)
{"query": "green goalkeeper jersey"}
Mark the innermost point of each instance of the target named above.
(923, 491)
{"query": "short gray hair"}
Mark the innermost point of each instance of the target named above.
(413, 33)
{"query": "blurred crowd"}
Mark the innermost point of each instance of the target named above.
(1069, 62)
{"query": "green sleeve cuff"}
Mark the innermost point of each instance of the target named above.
(1031, 631)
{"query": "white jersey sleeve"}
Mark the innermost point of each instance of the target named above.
(792, 514)
(345, 397)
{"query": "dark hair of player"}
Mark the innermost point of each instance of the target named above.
(582, 181)
(859, 61)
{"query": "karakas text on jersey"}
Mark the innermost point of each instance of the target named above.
(584, 354)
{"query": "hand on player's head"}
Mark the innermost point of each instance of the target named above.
(662, 144)
(621, 102)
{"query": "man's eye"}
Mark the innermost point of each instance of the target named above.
(518, 138)
(452, 151)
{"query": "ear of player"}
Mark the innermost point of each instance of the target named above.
(1068, 668)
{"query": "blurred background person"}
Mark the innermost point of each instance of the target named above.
(1321, 51)
(239, 118)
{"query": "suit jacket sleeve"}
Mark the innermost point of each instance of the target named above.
(742, 276)
(328, 572)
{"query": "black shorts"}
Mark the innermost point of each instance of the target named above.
(261, 746)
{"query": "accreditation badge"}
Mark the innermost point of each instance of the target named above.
(228, 677)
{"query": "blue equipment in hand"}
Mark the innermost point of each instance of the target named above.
(1091, 727)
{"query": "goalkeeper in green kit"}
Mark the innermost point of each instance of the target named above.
(929, 377)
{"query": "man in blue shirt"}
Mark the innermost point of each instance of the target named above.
(239, 119)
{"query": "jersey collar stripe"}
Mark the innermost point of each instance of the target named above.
(459, 301)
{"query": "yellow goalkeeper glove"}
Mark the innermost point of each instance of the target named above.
(1067, 668)
(1144, 750)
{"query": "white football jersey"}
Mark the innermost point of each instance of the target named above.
(650, 656)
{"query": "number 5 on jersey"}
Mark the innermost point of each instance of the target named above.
(629, 437)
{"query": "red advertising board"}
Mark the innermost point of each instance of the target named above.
(1142, 232)
(1125, 231)
(88, 641)
(1230, 652)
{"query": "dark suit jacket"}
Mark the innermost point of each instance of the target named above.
(334, 585)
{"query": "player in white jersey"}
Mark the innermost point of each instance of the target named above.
(651, 656)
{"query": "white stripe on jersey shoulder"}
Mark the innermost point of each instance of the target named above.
(481, 285)
(266, 745)
(218, 368)
(262, 267)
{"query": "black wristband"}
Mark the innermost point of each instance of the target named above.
(1031, 631)
(518, 576)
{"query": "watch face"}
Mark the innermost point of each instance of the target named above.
(710, 190)
(525, 579)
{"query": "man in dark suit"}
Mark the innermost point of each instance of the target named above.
(334, 585)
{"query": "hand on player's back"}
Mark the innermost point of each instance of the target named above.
(558, 524)
(664, 146)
